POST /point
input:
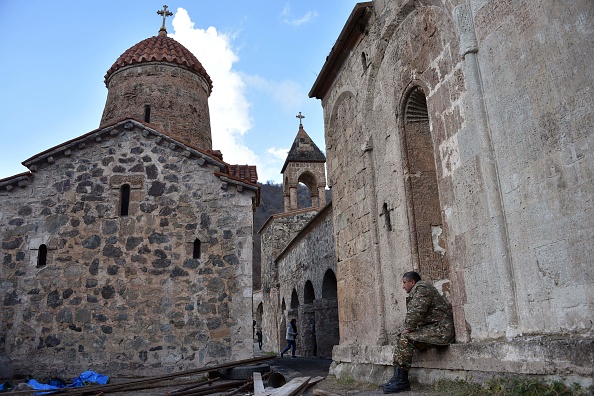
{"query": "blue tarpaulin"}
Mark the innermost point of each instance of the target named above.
(86, 378)
(90, 377)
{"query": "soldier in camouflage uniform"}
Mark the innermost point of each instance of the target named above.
(428, 323)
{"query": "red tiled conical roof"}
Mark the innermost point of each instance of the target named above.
(159, 49)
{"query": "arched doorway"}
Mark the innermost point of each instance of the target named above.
(326, 316)
(308, 321)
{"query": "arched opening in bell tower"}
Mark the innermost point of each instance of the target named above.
(309, 185)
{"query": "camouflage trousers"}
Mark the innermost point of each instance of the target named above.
(405, 347)
(423, 338)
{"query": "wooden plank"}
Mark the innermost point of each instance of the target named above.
(312, 382)
(258, 384)
(315, 380)
(292, 387)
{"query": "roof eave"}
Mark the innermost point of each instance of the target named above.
(347, 40)
(112, 130)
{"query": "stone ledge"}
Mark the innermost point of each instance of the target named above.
(545, 356)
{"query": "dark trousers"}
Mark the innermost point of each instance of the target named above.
(291, 344)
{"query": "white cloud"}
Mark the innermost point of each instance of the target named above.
(229, 107)
(290, 20)
(288, 93)
(278, 153)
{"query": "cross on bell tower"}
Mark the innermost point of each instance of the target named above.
(164, 13)
(301, 117)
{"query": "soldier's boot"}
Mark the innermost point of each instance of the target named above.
(401, 384)
(393, 379)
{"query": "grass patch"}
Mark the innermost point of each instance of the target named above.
(343, 385)
(511, 386)
(345, 381)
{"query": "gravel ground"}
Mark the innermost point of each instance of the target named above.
(290, 368)
(313, 367)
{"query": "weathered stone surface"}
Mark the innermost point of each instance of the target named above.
(307, 284)
(457, 145)
(169, 90)
(104, 271)
(92, 242)
(11, 299)
(278, 231)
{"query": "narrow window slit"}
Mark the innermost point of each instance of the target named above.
(147, 113)
(386, 214)
(196, 253)
(42, 256)
(124, 200)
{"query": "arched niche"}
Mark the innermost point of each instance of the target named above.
(309, 294)
(425, 222)
(329, 289)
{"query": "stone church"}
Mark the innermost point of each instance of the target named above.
(129, 248)
(459, 144)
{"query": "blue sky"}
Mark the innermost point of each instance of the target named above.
(263, 57)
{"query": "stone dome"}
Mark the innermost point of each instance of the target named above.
(159, 48)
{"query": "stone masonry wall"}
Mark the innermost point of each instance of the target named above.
(123, 295)
(430, 65)
(508, 87)
(178, 101)
(307, 259)
(538, 79)
(276, 234)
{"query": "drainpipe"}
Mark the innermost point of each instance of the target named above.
(488, 162)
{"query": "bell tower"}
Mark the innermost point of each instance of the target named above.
(304, 164)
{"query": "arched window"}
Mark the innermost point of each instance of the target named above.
(422, 191)
(124, 199)
(42, 256)
(196, 252)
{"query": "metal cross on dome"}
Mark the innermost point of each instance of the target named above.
(164, 13)
(301, 117)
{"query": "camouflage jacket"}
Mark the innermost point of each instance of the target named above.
(429, 315)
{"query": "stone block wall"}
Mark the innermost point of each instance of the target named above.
(507, 87)
(125, 295)
(276, 234)
(538, 80)
(177, 98)
(310, 258)
(327, 330)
